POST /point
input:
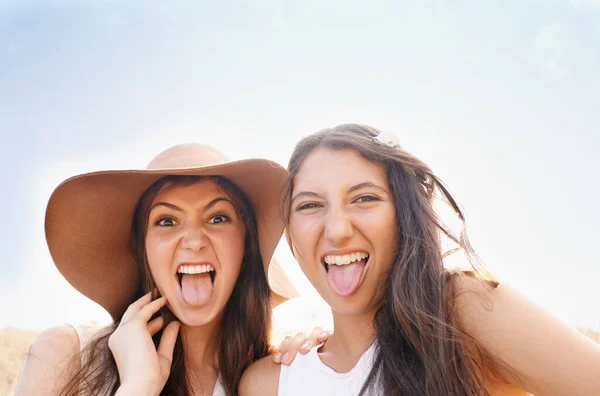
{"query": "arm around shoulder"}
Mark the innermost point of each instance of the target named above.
(52, 360)
(261, 378)
(547, 356)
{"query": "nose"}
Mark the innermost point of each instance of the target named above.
(338, 227)
(193, 238)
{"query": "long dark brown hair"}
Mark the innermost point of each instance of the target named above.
(245, 327)
(420, 348)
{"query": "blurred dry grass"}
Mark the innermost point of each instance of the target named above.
(593, 334)
(14, 343)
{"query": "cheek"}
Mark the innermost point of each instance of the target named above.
(151, 252)
(304, 235)
(237, 250)
(157, 254)
(384, 228)
(229, 248)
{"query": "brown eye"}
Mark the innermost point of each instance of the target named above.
(218, 219)
(308, 205)
(165, 222)
(366, 198)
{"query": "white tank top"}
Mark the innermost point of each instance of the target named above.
(308, 375)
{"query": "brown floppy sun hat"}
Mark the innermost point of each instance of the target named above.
(89, 218)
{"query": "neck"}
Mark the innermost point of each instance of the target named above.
(200, 344)
(352, 334)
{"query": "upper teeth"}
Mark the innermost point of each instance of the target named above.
(345, 259)
(195, 269)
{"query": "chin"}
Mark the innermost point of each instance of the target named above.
(195, 322)
(195, 316)
(359, 303)
(351, 309)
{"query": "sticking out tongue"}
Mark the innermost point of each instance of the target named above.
(196, 289)
(344, 279)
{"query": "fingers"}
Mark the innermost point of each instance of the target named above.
(140, 302)
(151, 308)
(316, 337)
(290, 346)
(136, 306)
(155, 325)
(290, 349)
(167, 345)
(282, 347)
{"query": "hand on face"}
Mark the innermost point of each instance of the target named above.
(343, 228)
(139, 362)
(195, 245)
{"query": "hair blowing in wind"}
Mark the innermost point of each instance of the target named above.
(420, 348)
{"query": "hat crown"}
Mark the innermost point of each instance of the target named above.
(187, 156)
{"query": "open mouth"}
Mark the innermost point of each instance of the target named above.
(345, 272)
(343, 260)
(196, 269)
(196, 283)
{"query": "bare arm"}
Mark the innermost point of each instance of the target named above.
(51, 362)
(261, 378)
(549, 357)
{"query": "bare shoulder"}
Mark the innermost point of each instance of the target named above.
(50, 362)
(54, 345)
(61, 336)
(545, 355)
(261, 378)
(472, 294)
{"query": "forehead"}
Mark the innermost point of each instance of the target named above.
(326, 168)
(200, 190)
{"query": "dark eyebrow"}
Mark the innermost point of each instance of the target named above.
(306, 194)
(178, 209)
(216, 201)
(351, 189)
(168, 205)
(365, 185)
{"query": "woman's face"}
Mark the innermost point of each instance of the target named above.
(343, 228)
(195, 245)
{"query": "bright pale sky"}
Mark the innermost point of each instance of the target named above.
(500, 98)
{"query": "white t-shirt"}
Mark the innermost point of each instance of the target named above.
(308, 375)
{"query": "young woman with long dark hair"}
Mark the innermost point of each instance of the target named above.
(178, 254)
(362, 223)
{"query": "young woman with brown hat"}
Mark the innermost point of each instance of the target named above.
(179, 254)
(363, 225)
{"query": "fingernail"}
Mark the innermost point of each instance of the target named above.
(286, 357)
(277, 357)
(305, 346)
(322, 335)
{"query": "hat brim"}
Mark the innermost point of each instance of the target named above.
(89, 217)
